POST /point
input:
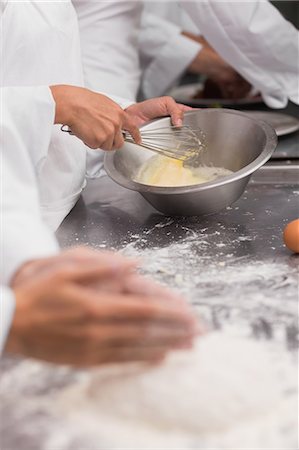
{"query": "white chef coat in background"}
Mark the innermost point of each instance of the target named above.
(109, 39)
(252, 36)
(256, 40)
(112, 31)
(170, 11)
(165, 53)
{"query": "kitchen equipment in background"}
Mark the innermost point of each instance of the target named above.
(282, 123)
(234, 141)
(190, 94)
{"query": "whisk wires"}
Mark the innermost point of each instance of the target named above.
(184, 143)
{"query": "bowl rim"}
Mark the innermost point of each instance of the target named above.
(271, 143)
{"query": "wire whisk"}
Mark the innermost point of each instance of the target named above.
(181, 143)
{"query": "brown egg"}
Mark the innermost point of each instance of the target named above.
(291, 236)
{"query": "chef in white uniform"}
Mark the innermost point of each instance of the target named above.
(165, 51)
(41, 47)
(156, 29)
(48, 54)
(257, 41)
(252, 36)
(44, 169)
(109, 33)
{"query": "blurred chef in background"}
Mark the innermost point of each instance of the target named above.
(252, 39)
(170, 45)
(57, 306)
(257, 41)
(238, 45)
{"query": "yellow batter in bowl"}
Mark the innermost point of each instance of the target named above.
(168, 172)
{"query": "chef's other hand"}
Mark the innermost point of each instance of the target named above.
(63, 316)
(208, 62)
(140, 113)
(94, 118)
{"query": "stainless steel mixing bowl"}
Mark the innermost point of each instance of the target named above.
(235, 141)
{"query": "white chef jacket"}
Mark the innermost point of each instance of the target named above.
(41, 47)
(251, 35)
(48, 53)
(7, 306)
(110, 34)
(165, 53)
(171, 11)
(109, 38)
(23, 234)
(43, 169)
(256, 40)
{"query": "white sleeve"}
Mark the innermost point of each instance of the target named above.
(109, 34)
(7, 307)
(256, 40)
(165, 54)
(27, 116)
(3, 4)
(121, 101)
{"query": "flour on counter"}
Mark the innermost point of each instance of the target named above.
(224, 287)
(218, 394)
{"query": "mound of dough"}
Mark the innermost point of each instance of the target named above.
(222, 382)
(162, 171)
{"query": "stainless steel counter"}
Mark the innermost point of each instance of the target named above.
(220, 261)
(232, 266)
